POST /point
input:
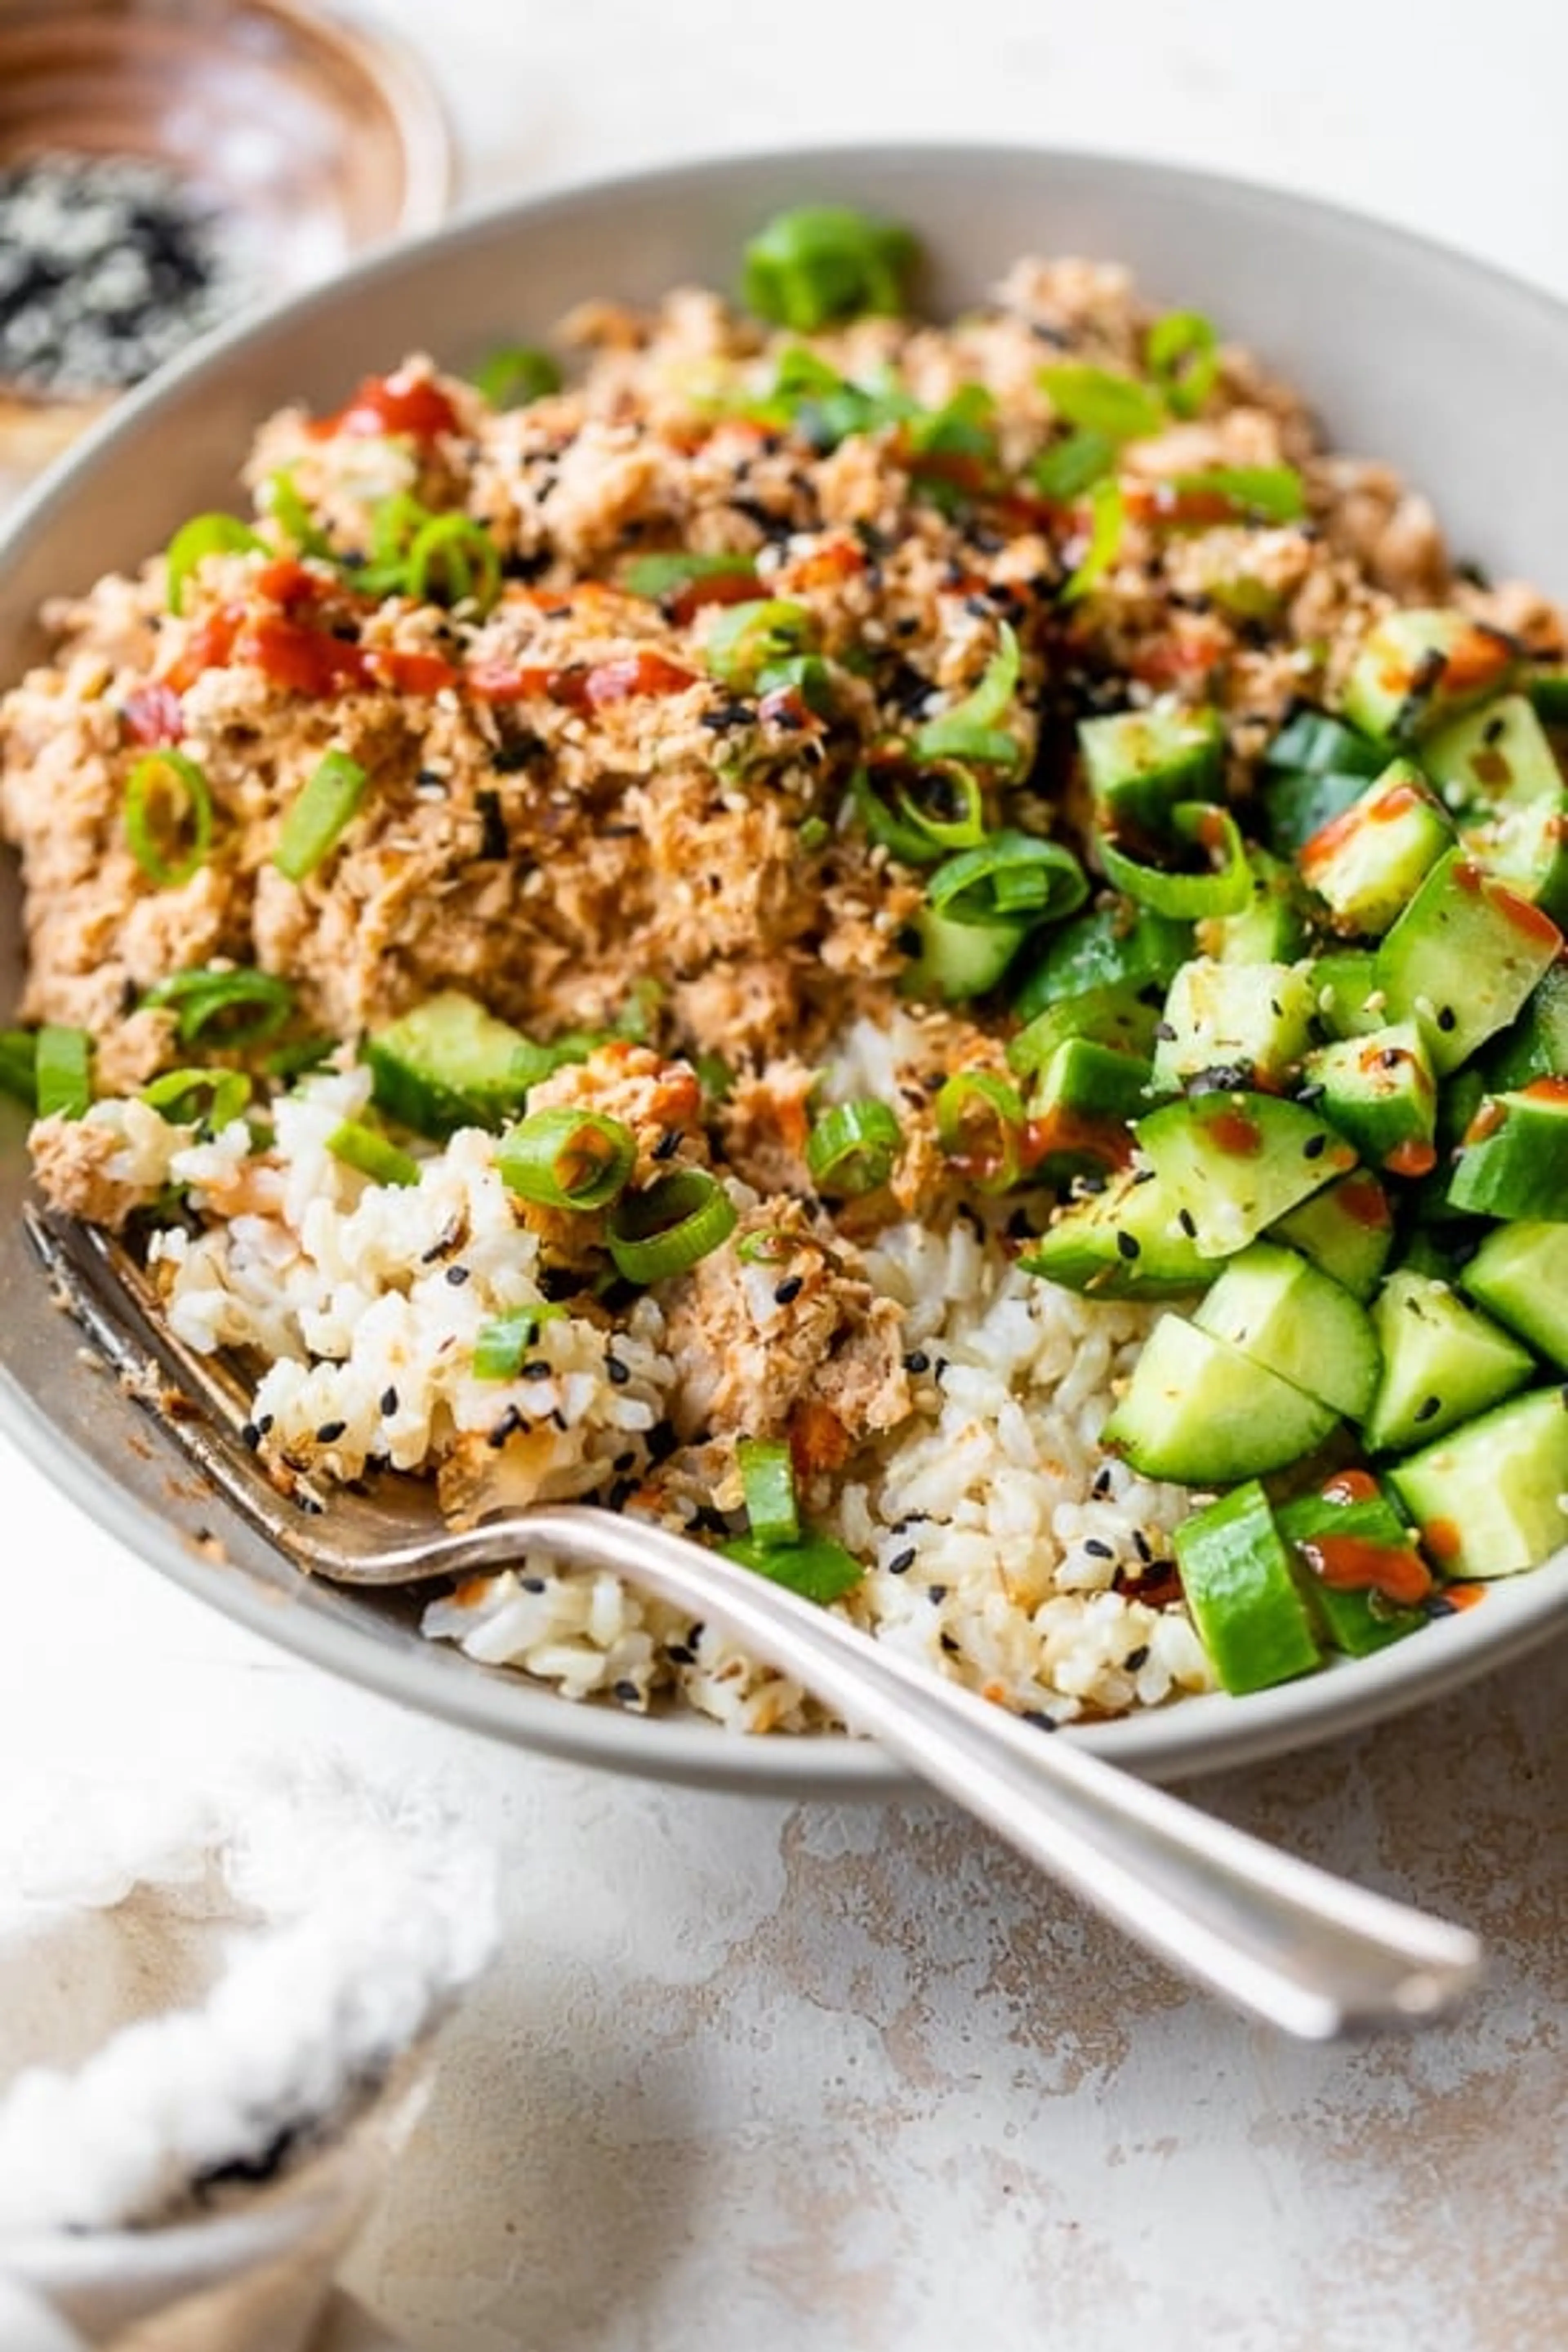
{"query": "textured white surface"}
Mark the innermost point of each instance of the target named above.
(820, 2078)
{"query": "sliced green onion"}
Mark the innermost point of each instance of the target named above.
(168, 813)
(822, 262)
(452, 559)
(1182, 354)
(661, 575)
(204, 996)
(19, 1065)
(980, 1117)
(318, 816)
(178, 1094)
(205, 535)
(304, 1053)
(1224, 890)
(503, 1343)
(1117, 407)
(676, 1221)
(746, 637)
(62, 1071)
(1108, 514)
(1010, 877)
(767, 1475)
(1266, 493)
(854, 1147)
(517, 373)
(567, 1158)
(360, 1148)
(1072, 466)
(915, 831)
(816, 1568)
(1113, 1013)
(395, 522)
(765, 1246)
(718, 1079)
(806, 675)
(284, 503)
(970, 730)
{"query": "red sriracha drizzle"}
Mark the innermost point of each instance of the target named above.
(626, 677)
(391, 403)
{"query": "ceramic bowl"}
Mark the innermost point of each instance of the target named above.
(1454, 371)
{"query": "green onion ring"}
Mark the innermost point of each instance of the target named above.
(566, 1159)
(817, 1568)
(359, 1147)
(1116, 407)
(1107, 515)
(1012, 876)
(201, 996)
(767, 1475)
(678, 1220)
(466, 557)
(515, 375)
(817, 263)
(176, 1095)
(284, 503)
(746, 637)
(148, 780)
(1182, 356)
(18, 1066)
(205, 535)
(317, 817)
(970, 730)
(62, 1071)
(1224, 890)
(662, 574)
(854, 1147)
(1070, 467)
(1002, 1114)
(504, 1341)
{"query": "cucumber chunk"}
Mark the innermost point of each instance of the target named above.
(1492, 1499)
(1198, 1410)
(1356, 1568)
(958, 960)
(1536, 1047)
(1348, 1001)
(1226, 1165)
(1320, 745)
(1501, 752)
(1513, 1160)
(1462, 959)
(1347, 1229)
(1379, 1091)
(1417, 669)
(1272, 927)
(1368, 862)
(1519, 1273)
(1123, 1242)
(1140, 764)
(1254, 1019)
(450, 1063)
(1293, 806)
(1241, 1589)
(1114, 947)
(1443, 1362)
(1526, 848)
(1080, 1111)
(1289, 1316)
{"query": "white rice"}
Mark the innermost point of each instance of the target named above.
(997, 1538)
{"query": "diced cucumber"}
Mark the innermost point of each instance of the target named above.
(1241, 1589)
(1357, 1569)
(1348, 1001)
(1252, 1019)
(1500, 752)
(1347, 1229)
(1311, 741)
(1443, 1362)
(1295, 804)
(1513, 1160)
(1368, 862)
(1536, 1047)
(1519, 1273)
(1111, 1017)
(1417, 669)
(1272, 929)
(1289, 1316)
(1120, 946)
(1493, 1498)
(449, 1064)
(1462, 959)
(1526, 847)
(1226, 1165)
(1140, 764)
(1379, 1091)
(958, 960)
(1080, 1111)
(1198, 1410)
(1123, 1242)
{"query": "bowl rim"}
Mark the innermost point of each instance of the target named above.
(1194, 1735)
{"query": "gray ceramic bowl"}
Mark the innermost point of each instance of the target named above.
(1455, 372)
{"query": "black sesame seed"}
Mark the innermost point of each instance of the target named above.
(1097, 1549)
(531, 1584)
(1038, 1718)
(617, 1373)
(329, 1432)
(1141, 1545)
(902, 1562)
(668, 1144)
(917, 1361)
(389, 1401)
(1314, 1147)
(1448, 1019)
(511, 1419)
(1127, 1246)
(621, 1493)
(949, 1644)
(624, 1462)
(456, 1275)
(1165, 1031)
(1101, 1486)
(1136, 1658)
(628, 1694)
(536, 1369)
(937, 1592)
(1427, 1407)
(1188, 1222)
(786, 1292)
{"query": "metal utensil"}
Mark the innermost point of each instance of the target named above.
(1274, 1934)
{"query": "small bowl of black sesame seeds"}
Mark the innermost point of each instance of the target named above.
(164, 168)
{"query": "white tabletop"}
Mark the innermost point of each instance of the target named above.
(749, 2074)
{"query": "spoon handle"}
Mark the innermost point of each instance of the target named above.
(1274, 1934)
